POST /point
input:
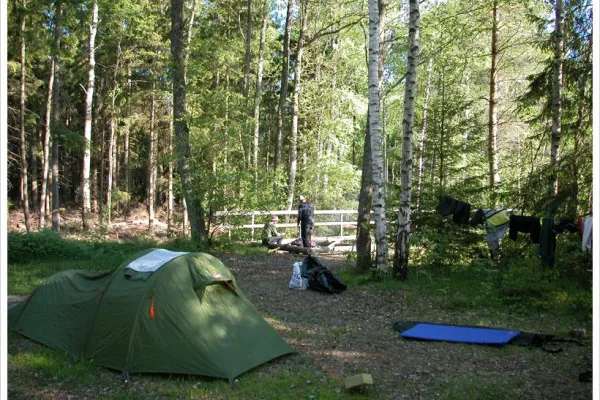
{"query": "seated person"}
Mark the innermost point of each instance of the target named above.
(270, 234)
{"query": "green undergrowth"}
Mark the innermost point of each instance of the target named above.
(451, 267)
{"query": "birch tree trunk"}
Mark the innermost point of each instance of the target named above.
(35, 195)
(423, 138)
(87, 129)
(557, 93)
(126, 149)
(284, 85)
(112, 137)
(151, 166)
(365, 199)
(56, 118)
(295, 108)
(23, 147)
(258, 91)
(46, 149)
(195, 210)
(494, 176)
(381, 239)
(402, 250)
(248, 55)
(170, 195)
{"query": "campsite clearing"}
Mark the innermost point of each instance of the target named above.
(336, 336)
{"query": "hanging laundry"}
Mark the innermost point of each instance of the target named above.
(519, 223)
(547, 250)
(586, 235)
(459, 209)
(496, 224)
(566, 224)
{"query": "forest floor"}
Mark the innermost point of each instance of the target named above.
(350, 333)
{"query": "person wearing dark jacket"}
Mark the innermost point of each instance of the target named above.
(306, 221)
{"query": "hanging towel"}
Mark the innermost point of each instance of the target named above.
(547, 251)
(586, 241)
(519, 223)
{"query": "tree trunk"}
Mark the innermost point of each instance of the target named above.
(87, 130)
(402, 249)
(442, 170)
(494, 176)
(23, 147)
(258, 91)
(126, 149)
(112, 137)
(381, 239)
(248, 56)
(284, 85)
(151, 167)
(56, 115)
(295, 108)
(194, 204)
(170, 174)
(35, 195)
(557, 93)
(423, 139)
(364, 261)
(46, 148)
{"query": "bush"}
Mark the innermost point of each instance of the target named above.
(48, 245)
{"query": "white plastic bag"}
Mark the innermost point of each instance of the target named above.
(297, 282)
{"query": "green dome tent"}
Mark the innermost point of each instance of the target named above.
(159, 312)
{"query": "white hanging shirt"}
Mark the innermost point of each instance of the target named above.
(586, 242)
(152, 261)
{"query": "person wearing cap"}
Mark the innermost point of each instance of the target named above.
(306, 221)
(270, 234)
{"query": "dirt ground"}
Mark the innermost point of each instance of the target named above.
(350, 333)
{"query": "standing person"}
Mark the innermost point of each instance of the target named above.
(306, 221)
(270, 234)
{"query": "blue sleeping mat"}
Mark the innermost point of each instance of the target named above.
(460, 334)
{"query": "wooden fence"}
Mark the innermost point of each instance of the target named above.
(257, 219)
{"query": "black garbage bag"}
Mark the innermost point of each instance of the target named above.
(319, 277)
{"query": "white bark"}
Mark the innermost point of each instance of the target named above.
(295, 109)
(402, 249)
(56, 119)
(46, 149)
(87, 129)
(494, 175)
(258, 91)
(557, 94)
(23, 147)
(381, 239)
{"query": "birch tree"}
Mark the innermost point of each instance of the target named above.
(284, 85)
(365, 200)
(557, 93)
(295, 107)
(402, 250)
(494, 175)
(87, 129)
(23, 142)
(258, 90)
(381, 239)
(56, 114)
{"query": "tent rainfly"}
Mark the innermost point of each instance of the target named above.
(159, 312)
